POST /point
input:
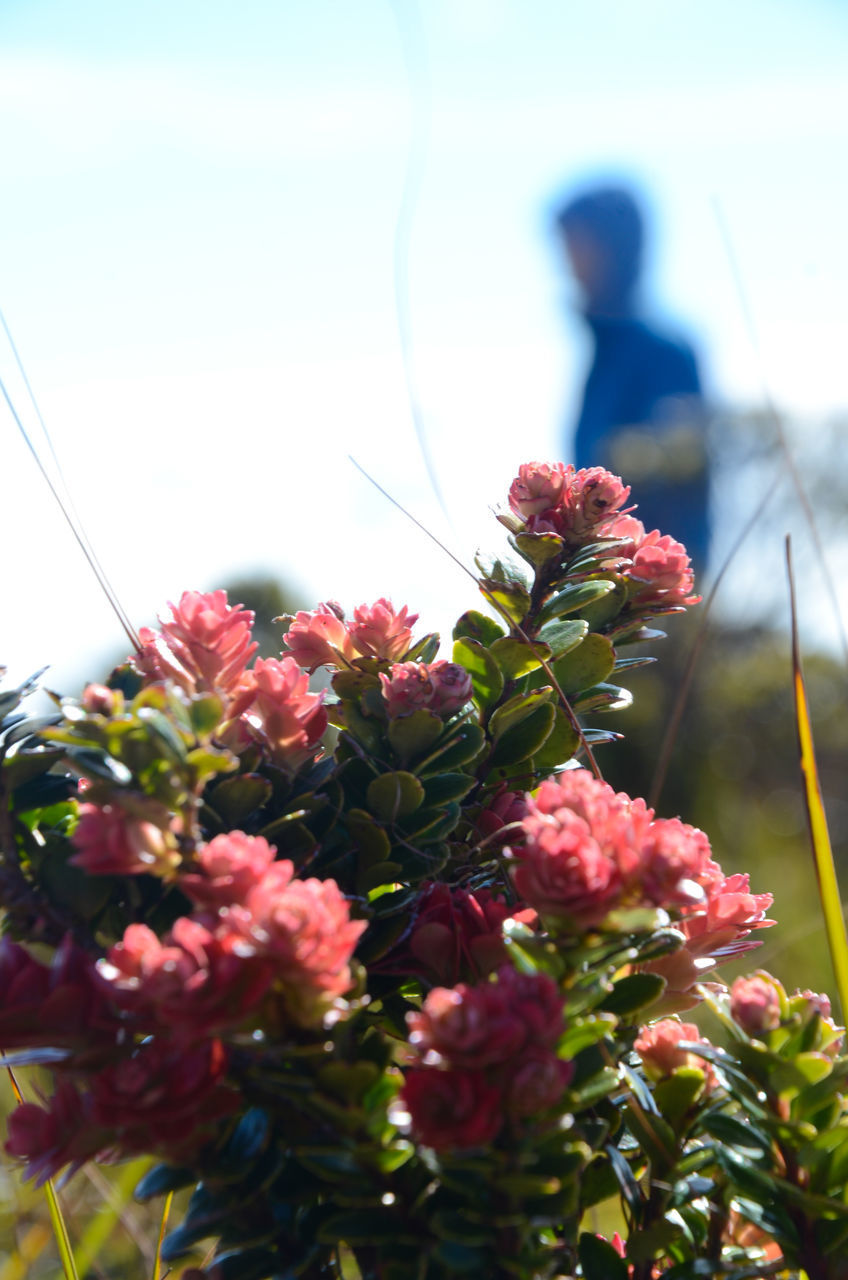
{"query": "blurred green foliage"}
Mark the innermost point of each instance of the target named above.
(734, 772)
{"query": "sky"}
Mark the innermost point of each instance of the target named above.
(199, 258)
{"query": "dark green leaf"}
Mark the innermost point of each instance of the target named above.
(598, 1260)
(636, 991)
(395, 795)
(414, 734)
(524, 739)
(486, 676)
(517, 658)
(477, 626)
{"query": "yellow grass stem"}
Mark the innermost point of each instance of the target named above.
(831, 903)
(163, 1225)
(60, 1231)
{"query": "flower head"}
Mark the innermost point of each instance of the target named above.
(755, 1003)
(658, 1045)
(204, 646)
(111, 841)
(440, 687)
(380, 631)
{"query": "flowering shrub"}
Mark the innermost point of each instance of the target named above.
(407, 995)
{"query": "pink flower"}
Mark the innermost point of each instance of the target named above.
(228, 868)
(163, 1098)
(319, 638)
(503, 809)
(451, 687)
(193, 982)
(538, 487)
(755, 1003)
(452, 1109)
(454, 934)
(278, 709)
(594, 497)
(674, 856)
(715, 931)
(205, 645)
(97, 699)
(304, 928)
(488, 1024)
(440, 687)
(658, 1046)
(732, 911)
(538, 1082)
(60, 1006)
(378, 631)
(664, 567)
(111, 842)
(631, 531)
(467, 1027)
(50, 1138)
(582, 845)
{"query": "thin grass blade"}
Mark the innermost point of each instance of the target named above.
(163, 1226)
(63, 1240)
(831, 902)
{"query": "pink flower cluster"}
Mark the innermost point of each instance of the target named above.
(156, 1097)
(125, 841)
(717, 931)
(658, 1045)
(258, 930)
(205, 647)
(575, 505)
(145, 1063)
(484, 1056)
(658, 567)
(441, 687)
(455, 934)
(588, 851)
(323, 637)
(579, 506)
(274, 707)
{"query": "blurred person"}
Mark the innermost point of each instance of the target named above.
(642, 415)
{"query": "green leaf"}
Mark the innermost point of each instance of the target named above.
(562, 637)
(444, 787)
(599, 1260)
(363, 1227)
(205, 713)
(486, 678)
(559, 746)
(677, 1093)
(634, 992)
(602, 697)
(453, 1224)
(395, 795)
(465, 742)
(736, 1132)
(518, 658)
(511, 597)
(477, 626)
(517, 709)
(522, 740)
(370, 838)
(414, 734)
(575, 596)
(586, 665)
(538, 548)
(234, 799)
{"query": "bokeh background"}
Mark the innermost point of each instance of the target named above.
(233, 236)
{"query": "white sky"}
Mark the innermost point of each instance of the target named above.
(199, 203)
